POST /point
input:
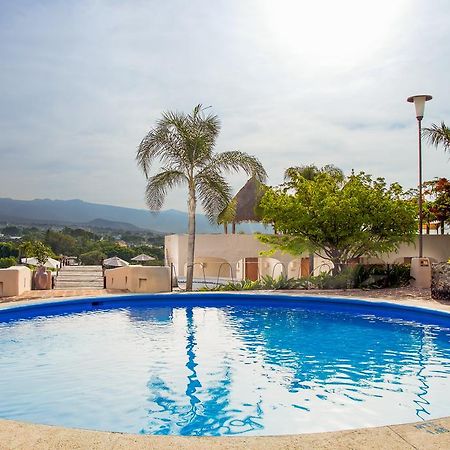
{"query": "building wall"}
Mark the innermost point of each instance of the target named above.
(139, 278)
(212, 250)
(436, 247)
(15, 280)
(231, 248)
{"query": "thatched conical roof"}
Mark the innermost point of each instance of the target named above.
(243, 206)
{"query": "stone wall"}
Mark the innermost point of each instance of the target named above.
(440, 281)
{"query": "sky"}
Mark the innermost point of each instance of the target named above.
(294, 82)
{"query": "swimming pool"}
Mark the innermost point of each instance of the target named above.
(223, 364)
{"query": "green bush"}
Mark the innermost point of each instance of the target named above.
(95, 257)
(382, 276)
(7, 262)
(8, 249)
(364, 276)
(265, 283)
(361, 276)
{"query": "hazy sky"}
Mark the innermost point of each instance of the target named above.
(294, 82)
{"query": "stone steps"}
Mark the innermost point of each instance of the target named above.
(80, 277)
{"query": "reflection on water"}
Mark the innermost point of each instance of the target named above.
(222, 371)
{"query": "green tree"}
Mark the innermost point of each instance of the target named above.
(438, 135)
(8, 249)
(7, 262)
(311, 171)
(184, 145)
(338, 220)
(92, 258)
(61, 243)
(439, 204)
(36, 249)
(11, 230)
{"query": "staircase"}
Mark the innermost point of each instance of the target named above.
(79, 277)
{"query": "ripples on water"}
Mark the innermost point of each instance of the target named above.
(222, 371)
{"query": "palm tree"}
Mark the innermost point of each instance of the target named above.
(309, 172)
(438, 135)
(184, 145)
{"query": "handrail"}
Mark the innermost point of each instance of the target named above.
(220, 268)
(321, 265)
(282, 267)
(203, 270)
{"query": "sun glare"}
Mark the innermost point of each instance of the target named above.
(332, 33)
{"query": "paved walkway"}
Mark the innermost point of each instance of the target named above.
(430, 435)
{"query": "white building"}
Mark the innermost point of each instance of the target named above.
(239, 256)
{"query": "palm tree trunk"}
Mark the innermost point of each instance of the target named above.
(191, 239)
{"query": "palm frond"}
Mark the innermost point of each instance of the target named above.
(308, 172)
(159, 184)
(438, 135)
(234, 161)
(214, 193)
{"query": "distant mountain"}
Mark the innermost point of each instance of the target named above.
(112, 225)
(78, 212)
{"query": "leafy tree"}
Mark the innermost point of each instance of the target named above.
(61, 243)
(7, 262)
(338, 220)
(92, 258)
(184, 145)
(8, 249)
(438, 135)
(311, 171)
(11, 230)
(79, 233)
(439, 204)
(36, 249)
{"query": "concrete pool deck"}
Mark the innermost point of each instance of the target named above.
(433, 434)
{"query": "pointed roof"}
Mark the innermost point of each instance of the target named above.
(243, 206)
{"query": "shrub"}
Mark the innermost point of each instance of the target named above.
(381, 276)
(7, 249)
(265, 283)
(95, 257)
(7, 262)
(364, 276)
(361, 276)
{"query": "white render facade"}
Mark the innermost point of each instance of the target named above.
(238, 256)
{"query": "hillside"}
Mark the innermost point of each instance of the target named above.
(78, 212)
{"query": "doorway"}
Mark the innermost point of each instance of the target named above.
(251, 269)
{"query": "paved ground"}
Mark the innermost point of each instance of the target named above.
(434, 434)
(59, 293)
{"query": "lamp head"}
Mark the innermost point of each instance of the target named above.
(419, 103)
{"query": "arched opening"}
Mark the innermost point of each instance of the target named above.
(210, 267)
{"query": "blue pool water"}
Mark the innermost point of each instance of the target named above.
(222, 364)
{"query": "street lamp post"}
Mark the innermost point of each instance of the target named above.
(419, 103)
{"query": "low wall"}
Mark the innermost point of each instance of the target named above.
(15, 280)
(139, 278)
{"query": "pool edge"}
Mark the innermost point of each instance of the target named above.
(428, 434)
